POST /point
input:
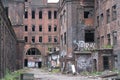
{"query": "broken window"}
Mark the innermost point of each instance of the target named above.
(65, 38)
(86, 14)
(40, 39)
(102, 41)
(49, 39)
(26, 39)
(101, 18)
(55, 14)
(33, 14)
(40, 14)
(55, 39)
(106, 62)
(33, 27)
(89, 35)
(40, 28)
(55, 28)
(108, 15)
(109, 39)
(26, 28)
(114, 12)
(33, 51)
(114, 37)
(49, 14)
(26, 14)
(98, 42)
(33, 39)
(97, 21)
(49, 28)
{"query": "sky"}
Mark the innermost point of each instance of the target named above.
(53, 1)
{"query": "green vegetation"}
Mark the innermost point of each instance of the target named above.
(108, 46)
(85, 73)
(13, 75)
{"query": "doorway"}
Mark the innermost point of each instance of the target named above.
(26, 62)
(105, 62)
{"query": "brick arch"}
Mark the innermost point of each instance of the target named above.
(29, 47)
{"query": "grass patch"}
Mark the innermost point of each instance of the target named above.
(13, 75)
(55, 70)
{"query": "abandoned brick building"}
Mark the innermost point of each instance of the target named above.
(89, 36)
(86, 31)
(76, 23)
(40, 31)
(107, 35)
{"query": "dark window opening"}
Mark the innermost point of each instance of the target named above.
(55, 39)
(49, 14)
(25, 62)
(114, 12)
(108, 15)
(33, 14)
(26, 28)
(33, 51)
(65, 38)
(40, 15)
(97, 21)
(33, 39)
(89, 35)
(55, 28)
(114, 37)
(49, 28)
(26, 14)
(86, 14)
(109, 39)
(40, 28)
(106, 62)
(101, 18)
(26, 39)
(55, 14)
(33, 27)
(40, 39)
(49, 39)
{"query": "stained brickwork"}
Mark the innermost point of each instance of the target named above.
(8, 43)
(39, 27)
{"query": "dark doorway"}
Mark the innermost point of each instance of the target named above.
(39, 64)
(26, 63)
(95, 64)
(106, 62)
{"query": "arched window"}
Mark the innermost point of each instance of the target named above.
(33, 51)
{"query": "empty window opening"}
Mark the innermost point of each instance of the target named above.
(49, 39)
(40, 39)
(55, 28)
(49, 28)
(40, 28)
(49, 14)
(89, 35)
(33, 14)
(26, 14)
(26, 39)
(26, 28)
(86, 14)
(33, 39)
(33, 27)
(55, 14)
(40, 14)
(33, 51)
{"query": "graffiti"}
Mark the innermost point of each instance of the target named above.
(81, 45)
(84, 63)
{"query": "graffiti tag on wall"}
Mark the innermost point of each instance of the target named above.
(84, 63)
